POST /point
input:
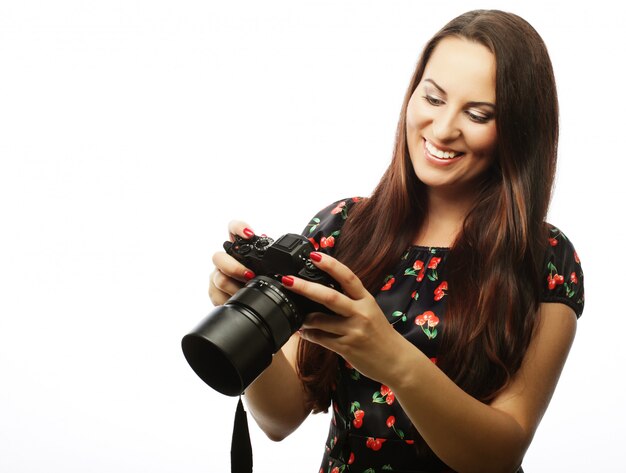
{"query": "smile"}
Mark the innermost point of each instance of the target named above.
(437, 153)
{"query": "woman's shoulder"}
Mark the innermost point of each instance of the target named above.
(325, 226)
(563, 278)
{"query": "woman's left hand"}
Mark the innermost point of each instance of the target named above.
(358, 330)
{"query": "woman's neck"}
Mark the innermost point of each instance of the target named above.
(444, 218)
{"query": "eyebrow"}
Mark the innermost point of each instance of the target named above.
(471, 104)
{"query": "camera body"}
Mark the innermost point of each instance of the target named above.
(237, 340)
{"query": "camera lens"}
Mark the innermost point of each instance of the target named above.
(236, 341)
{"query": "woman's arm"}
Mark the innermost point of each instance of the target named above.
(276, 399)
(465, 433)
(469, 435)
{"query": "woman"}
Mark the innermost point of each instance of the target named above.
(459, 302)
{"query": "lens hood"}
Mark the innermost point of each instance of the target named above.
(226, 349)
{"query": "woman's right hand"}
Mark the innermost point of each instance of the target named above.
(277, 416)
(229, 274)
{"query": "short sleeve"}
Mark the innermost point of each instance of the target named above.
(324, 229)
(563, 279)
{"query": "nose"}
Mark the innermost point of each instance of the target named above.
(445, 127)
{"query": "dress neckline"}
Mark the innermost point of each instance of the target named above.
(430, 248)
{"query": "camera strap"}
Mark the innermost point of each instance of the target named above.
(241, 448)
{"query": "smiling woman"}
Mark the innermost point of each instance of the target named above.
(455, 319)
(451, 129)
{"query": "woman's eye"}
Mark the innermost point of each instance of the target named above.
(478, 118)
(433, 100)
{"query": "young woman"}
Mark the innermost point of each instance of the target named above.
(459, 302)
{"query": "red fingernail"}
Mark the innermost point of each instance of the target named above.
(247, 232)
(287, 281)
(248, 274)
(315, 256)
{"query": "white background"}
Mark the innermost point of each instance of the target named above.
(132, 131)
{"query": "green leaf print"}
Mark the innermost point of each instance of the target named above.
(399, 315)
(313, 224)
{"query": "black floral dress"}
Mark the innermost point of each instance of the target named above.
(369, 431)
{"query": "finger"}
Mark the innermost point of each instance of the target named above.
(327, 340)
(328, 297)
(217, 297)
(328, 323)
(349, 282)
(229, 266)
(225, 284)
(240, 228)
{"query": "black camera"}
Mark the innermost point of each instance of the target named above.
(232, 346)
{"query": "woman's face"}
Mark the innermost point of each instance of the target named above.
(450, 118)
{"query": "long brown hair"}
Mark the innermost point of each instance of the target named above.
(494, 264)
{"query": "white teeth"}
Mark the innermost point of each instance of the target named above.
(438, 153)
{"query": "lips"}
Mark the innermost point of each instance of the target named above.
(439, 156)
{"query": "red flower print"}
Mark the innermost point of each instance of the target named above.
(339, 208)
(384, 396)
(434, 261)
(576, 258)
(418, 270)
(432, 319)
(410, 442)
(555, 279)
(335, 470)
(553, 241)
(357, 412)
(314, 243)
(389, 280)
(358, 419)
(351, 459)
(429, 319)
(439, 292)
(374, 443)
(434, 360)
(327, 242)
(391, 421)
